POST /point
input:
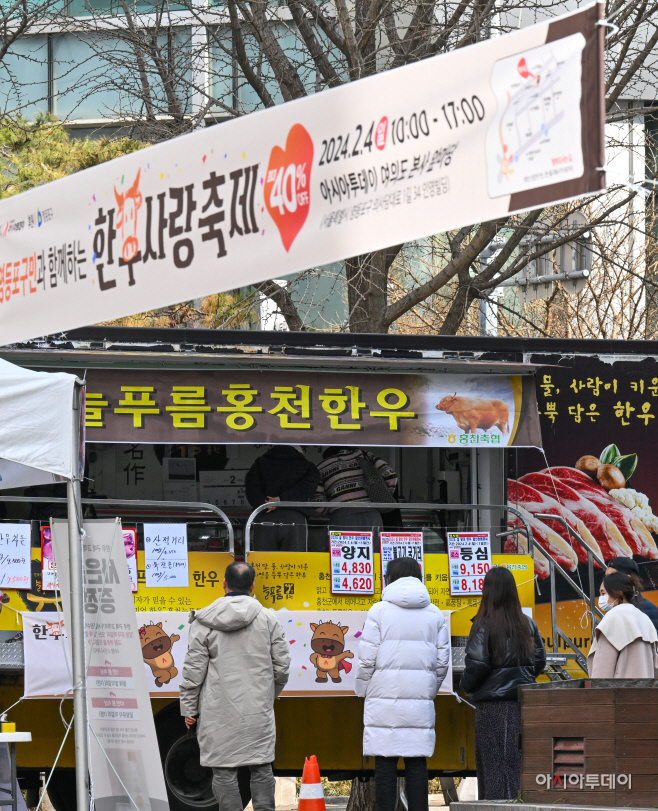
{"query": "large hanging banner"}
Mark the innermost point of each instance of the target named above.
(125, 764)
(505, 125)
(438, 410)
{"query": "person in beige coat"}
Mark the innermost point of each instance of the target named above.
(625, 641)
(237, 663)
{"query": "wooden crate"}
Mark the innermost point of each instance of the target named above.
(590, 728)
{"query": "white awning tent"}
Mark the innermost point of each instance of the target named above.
(36, 426)
(42, 441)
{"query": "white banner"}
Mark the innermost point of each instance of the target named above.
(323, 651)
(504, 125)
(44, 641)
(125, 764)
(169, 630)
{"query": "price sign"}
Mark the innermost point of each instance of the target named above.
(401, 545)
(165, 555)
(469, 555)
(15, 556)
(351, 556)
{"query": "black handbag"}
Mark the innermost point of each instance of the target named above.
(374, 484)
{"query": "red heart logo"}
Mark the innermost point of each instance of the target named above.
(288, 184)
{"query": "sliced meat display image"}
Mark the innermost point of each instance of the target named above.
(609, 538)
(534, 501)
(637, 536)
(554, 544)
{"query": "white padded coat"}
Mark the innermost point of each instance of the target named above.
(403, 658)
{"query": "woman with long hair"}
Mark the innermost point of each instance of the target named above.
(624, 645)
(504, 650)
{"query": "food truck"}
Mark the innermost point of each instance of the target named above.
(472, 428)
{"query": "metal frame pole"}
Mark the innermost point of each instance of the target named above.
(320, 505)
(78, 663)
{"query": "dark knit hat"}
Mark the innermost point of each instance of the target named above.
(625, 565)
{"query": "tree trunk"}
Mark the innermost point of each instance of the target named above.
(461, 302)
(362, 795)
(367, 289)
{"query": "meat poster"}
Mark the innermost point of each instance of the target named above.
(597, 472)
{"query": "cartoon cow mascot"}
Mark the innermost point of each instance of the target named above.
(328, 645)
(156, 652)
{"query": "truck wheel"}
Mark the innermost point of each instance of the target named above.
(61, 790)
(189, 785)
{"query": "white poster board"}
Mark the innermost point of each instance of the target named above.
(469, 559)
(46, 654)
(351, 556)
(394, 545)
(15, 556)
(165, 555)
(118, 701)
(49, 581)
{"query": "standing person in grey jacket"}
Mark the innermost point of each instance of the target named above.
(237, 663)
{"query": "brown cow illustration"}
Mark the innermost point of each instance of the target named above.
(328, 644)
(471, 413)
(156, 652)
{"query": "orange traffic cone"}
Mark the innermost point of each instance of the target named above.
(311, 793)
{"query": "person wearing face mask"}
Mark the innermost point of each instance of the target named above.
(629, 566)
(625, 643)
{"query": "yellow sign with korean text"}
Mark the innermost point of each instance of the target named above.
(301, 581)
(226, 406)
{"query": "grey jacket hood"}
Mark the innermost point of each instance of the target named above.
(228, 613)
(407, 592)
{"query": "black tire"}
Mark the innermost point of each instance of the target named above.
(61, 790)
(189, 785)
(170, 730)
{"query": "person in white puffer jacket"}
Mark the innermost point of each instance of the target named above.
(403, 658)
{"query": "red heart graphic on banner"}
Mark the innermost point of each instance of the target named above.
(288, 184)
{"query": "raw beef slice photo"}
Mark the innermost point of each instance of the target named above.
(535, 502)
(545, 537)
(608, 537)
(637, 536)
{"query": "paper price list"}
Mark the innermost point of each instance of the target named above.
(469, 555)
(400, 545)
(351, 563)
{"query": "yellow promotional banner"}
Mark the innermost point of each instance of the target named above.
(300, 581)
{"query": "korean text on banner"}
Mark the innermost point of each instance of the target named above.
(44, 641)
(352, 570)
(401, 545)
(125, 765)
(422, 149)
(165, 555)
(441, 410)
(469, 557)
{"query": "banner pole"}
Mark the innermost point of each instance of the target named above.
(77, 614)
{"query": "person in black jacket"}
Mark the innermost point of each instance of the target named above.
(280, 474)
(504, 650)
(629, 566)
